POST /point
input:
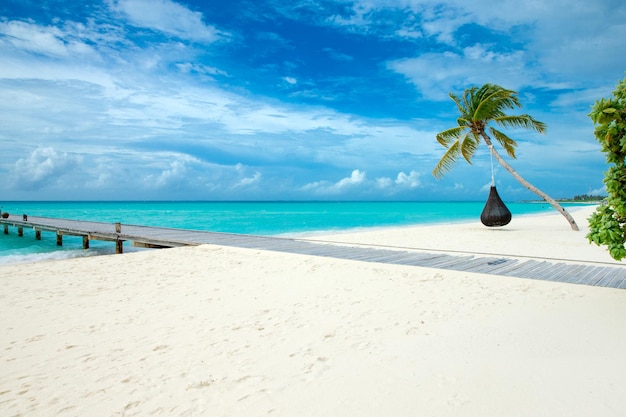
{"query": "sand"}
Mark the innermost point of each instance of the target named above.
(217, 331)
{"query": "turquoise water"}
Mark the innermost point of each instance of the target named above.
(260, 218)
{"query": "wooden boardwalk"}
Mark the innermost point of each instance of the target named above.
(587, 273)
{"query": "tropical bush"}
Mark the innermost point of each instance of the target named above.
(607, 225)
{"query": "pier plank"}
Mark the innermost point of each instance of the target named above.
(479, 265)
(525, 269)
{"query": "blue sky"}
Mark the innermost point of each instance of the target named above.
(293, 100)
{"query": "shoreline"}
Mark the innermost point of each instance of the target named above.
(241, 332)
(436, 223)
(102, 248)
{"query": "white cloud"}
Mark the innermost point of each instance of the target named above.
(168, 17)
(412, 180)
(339, 56)
(43, 167)
(598, 191)
(436, 74)
(485, 187)
(249, 180)
(355, 179)
(69, 52)
(358, 184)
(246, 180)
(582, 98)
(195, 68)
(46, 40)
(539, 45)
(402, 182)
(409, 33)
(176, 173)
(358, 17)
(384, 182)
(290, 80)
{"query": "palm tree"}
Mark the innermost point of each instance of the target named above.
(478, 107)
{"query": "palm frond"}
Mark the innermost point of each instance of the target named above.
(450, 135)
(468, 101)
(448, 160)
(523, 120)
(492, 100)
(506, 142)
(457, 101)
(464, 121)
(468, 147)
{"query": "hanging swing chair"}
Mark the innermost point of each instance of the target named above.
(495, 213)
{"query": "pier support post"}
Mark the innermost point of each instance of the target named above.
(119, 246)
(20, 231)
(85, 242)
(59, 239)
(6, 229)
(37, 234)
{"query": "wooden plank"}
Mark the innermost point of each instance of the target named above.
(586, 277)
(607, 276)
(479, 265)
(438, 261)
(363, 254)
(594, 275)
(562, 274)
(503, 268)
(398, 257)
(548, 272)
(435, 261)
(571, 277)
(525, 268)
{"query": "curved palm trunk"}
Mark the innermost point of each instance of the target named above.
(528, 185)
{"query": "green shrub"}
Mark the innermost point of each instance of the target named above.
(608, 223)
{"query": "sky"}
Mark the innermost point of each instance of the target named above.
(294, 99)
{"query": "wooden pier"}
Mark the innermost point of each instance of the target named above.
(587, 273)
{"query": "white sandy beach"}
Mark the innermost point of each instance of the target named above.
(216, 331)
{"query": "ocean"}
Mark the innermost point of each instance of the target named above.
(257, 218)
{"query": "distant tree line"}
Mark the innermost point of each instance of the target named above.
(587, 197)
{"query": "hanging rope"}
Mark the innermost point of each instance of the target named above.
(493, 181)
